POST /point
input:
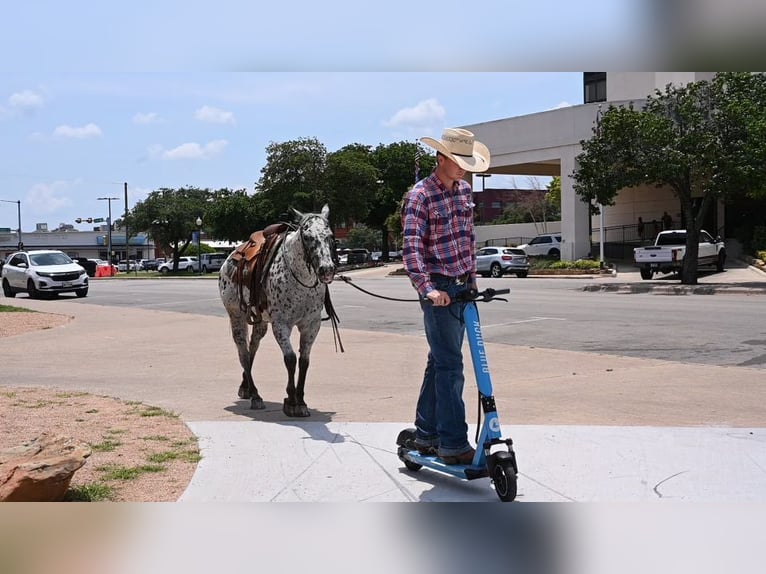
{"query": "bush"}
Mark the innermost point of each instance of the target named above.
(758, 242)
(579, 264)
(761, 255)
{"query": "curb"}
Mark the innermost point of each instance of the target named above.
(632, 288)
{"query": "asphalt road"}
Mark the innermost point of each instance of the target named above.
(722, 329)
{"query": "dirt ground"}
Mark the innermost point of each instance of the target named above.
(139, 453)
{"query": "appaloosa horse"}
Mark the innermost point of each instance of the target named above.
(294, 290)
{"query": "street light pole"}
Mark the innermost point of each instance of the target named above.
(18, 206)
(109, 223)
(199, 245)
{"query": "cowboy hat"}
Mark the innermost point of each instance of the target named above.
(460, 146)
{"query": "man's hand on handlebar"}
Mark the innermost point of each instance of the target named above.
(439, 298)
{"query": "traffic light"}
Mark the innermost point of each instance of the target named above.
(78, 220)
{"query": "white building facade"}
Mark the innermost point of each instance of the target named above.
(548, 143)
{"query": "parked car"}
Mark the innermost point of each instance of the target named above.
(545, 245)
(88, 264)
(495, 261)
(152, 264)
(667, 253)
(130, 265)
(212, 261)
(185, 263)
(43, 272)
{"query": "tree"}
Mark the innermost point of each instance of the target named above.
(233, 215)
(396, 164)
(705, 141)
(293, 177)
(351, 183)
(170, 217)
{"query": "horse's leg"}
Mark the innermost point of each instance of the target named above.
(282, 335)
(259, 330)
(308, 336)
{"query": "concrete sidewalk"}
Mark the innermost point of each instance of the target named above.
(587, 427)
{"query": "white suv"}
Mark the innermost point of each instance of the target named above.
(184, 264)
(545, 245)
(42, 272)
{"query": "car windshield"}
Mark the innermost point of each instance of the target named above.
(49, 259)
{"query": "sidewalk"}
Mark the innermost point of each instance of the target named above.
(586, 427)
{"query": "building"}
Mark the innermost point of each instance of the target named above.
(547, 143)
(88, 244)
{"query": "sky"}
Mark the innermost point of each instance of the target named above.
(67, 139)
(175, 93)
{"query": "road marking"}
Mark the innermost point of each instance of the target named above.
(530, 320)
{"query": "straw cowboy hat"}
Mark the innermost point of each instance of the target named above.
(460, 146)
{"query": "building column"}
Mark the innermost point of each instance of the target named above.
(575, 230)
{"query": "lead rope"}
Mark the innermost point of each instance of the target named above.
(333, 317)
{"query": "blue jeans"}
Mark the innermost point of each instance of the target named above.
(440, 414)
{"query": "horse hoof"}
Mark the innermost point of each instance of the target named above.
(295, 410)
(243, 392)
(256, 404)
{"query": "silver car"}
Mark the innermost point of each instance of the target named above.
(43, 272)
(497, 261)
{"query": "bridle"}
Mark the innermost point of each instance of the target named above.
(306, 255)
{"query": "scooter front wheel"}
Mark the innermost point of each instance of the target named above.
(504, 476)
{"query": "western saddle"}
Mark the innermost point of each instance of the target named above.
(253, 259)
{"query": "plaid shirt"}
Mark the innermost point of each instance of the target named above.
(438, 234)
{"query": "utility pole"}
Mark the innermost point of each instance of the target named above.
(18, 206)
(109, 222)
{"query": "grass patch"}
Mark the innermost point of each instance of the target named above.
(11, 309)
(157, 412)
(94, 492)
(108, 445)
(114, 472)
(168, 456)
(156, 437)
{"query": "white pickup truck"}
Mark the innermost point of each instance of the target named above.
(667, 253)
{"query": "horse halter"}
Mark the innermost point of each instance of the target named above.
(306, 252)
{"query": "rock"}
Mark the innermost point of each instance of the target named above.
(41, 469)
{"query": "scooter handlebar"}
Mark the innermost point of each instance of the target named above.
(485, 296)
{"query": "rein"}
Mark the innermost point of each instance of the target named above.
(348, 280)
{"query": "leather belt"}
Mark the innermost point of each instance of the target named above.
(459, 280)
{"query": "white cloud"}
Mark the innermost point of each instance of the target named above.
(84, 132)
(562, 105)
(214, 115)
(46, 198)
(146, 118)
(190, 150)
(425, 113)
(26, 100)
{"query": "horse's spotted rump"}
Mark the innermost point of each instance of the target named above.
(295, 294)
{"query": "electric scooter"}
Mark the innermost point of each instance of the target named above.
(494, 456)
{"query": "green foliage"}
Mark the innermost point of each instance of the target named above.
(363, 236)
(233, 215)
(706, 141)
(293, 177)
(93, 492)
(396, 171)
(759, 238)
(12, 309)
(761, 255)
(579, 264)
(170, 216)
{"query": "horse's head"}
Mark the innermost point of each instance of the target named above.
(318, 243)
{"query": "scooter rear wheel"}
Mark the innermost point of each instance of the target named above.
(413, 466)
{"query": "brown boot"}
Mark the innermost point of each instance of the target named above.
(462, 458)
